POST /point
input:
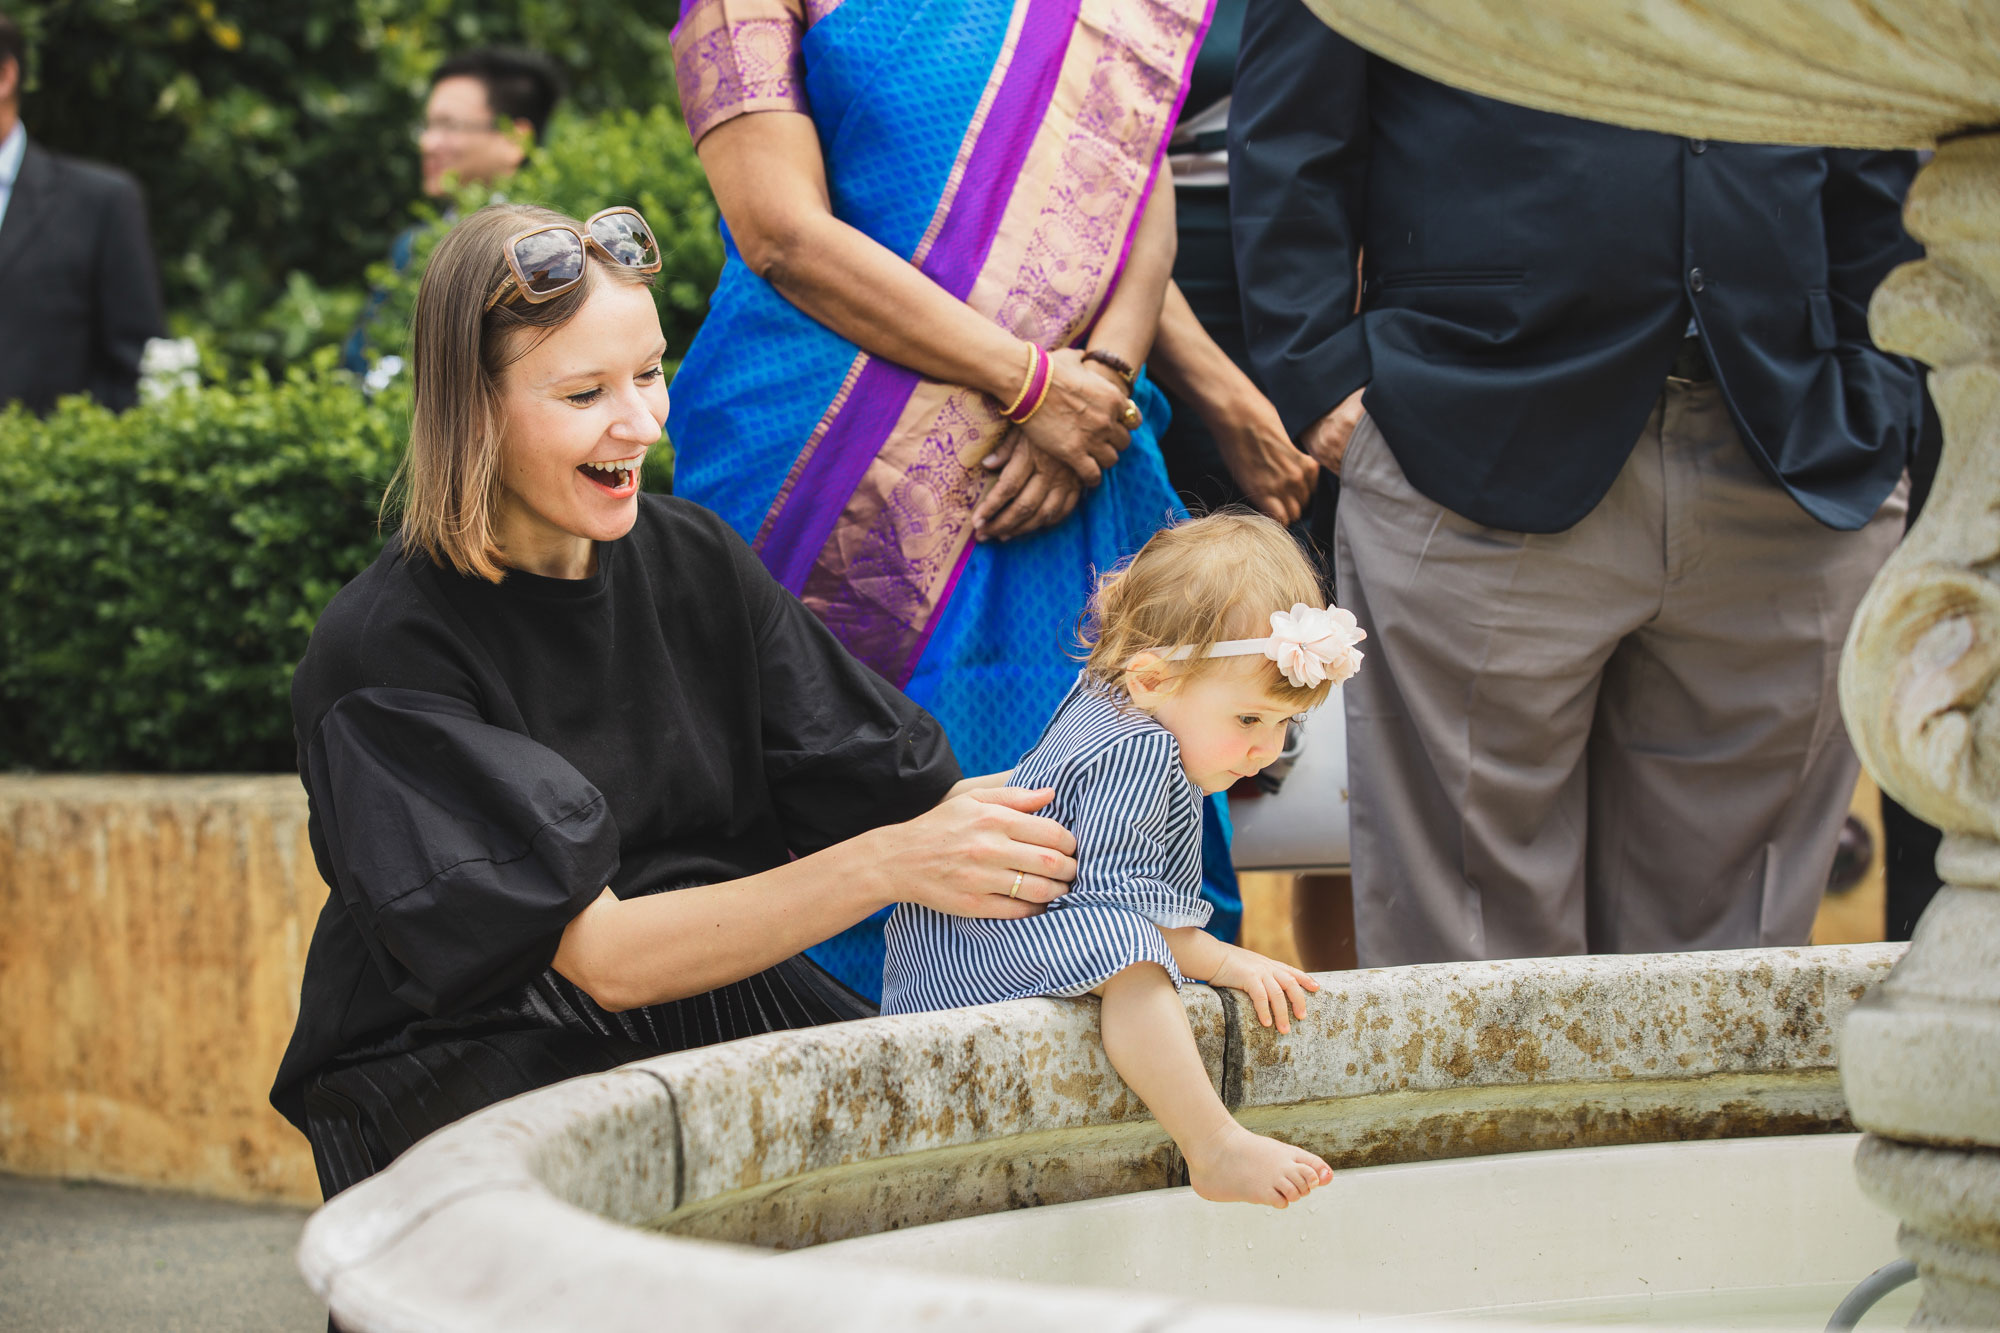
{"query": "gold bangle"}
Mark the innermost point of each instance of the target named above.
(1041, 396)
(1027, 383)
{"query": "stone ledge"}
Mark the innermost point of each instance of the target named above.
(152, 937)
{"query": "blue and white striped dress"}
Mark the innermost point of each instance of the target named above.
(1136, 815)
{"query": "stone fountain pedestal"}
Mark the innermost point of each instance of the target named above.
(1921, 1056)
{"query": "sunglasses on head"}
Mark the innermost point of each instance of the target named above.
(546, 261)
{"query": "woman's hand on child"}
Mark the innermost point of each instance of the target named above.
(1273, 987)
(982, 854)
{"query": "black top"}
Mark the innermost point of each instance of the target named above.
(1530, 277)
(482, 759)
(81, 297)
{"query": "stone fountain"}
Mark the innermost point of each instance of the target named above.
(1922, 1059)
(612, 1202)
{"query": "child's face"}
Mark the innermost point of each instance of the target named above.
(1228, 724)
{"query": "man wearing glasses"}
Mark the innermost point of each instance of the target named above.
(487, 110)
(76, 265)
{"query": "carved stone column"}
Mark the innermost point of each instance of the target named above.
(1920, 682)
(1921, 1060)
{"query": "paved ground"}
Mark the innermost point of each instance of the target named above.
(103, 1259)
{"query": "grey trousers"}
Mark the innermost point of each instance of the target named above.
(1623, 738)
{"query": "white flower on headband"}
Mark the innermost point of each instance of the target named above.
(1311, 644)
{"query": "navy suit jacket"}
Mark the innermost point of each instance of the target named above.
(1529, 278)
(79, 297)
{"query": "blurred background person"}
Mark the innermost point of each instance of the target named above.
(81, 295)
(1625, 464)
(487, 110)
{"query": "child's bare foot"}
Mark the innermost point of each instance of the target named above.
(1236, 1166)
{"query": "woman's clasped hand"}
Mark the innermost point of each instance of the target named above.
(1044, 466)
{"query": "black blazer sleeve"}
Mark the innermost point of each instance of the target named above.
(126, 294)
(1298, 179)
(1863, 205)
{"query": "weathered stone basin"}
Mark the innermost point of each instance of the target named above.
(598, 1203)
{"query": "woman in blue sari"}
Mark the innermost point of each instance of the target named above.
(929, 204)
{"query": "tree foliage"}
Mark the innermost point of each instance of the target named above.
(275, 141)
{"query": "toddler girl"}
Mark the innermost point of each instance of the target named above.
(1174, 700)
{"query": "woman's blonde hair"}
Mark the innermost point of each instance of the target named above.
(449, 480)
(1198, 583)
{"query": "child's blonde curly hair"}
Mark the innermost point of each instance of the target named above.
(1201, 582)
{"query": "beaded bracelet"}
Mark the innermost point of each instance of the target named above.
(1034, 388)
(1116, 363)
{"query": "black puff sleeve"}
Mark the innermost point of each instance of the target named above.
(460, 849)
(844, 750)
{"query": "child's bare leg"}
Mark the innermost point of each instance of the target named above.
(1146, 1034)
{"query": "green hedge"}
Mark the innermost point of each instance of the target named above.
(164, 568)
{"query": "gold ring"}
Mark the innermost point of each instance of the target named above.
(1129, 416)
(1015, 892)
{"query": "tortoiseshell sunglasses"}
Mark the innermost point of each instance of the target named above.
(546, 261)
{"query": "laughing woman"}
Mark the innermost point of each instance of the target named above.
(949, 240)
(584, 780)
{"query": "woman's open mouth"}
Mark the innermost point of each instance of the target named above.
(618, 476)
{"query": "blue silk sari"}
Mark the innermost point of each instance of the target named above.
(1007, 148)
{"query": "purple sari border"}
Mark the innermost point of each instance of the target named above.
(900, 677)
(969, 233)
(818, 433)
(1159, 157)
(800, 523)
(836, 467)
(956, 177)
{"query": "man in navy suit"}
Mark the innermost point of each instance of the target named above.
(78, 295)
(1617, 462)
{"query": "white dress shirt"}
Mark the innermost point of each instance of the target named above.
(12, 149)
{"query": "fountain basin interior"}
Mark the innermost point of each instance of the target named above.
(1730, 1234)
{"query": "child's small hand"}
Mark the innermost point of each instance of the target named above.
(1271, 985)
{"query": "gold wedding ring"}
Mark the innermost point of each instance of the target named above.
(1015, 892)
(1129, 416)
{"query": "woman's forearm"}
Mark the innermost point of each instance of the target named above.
(1191, 365)
(770, 183)
(1131, 318)
(625, 953)
(983, 853)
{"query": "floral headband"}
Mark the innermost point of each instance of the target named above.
(1309, 644)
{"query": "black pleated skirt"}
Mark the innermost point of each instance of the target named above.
(366, 1110)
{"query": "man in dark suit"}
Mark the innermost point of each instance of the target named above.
(79, 297)
(1617, 462)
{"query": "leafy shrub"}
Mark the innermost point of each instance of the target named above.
(164, 568)
(274, 141)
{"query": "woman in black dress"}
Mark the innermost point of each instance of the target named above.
(554, 698)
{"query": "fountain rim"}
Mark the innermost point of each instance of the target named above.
(538, 1201)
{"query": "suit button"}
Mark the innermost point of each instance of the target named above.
(1697, 145)
(1697, 279)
